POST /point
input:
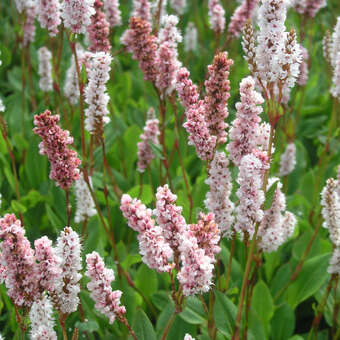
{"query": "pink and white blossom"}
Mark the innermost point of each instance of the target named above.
(216, 16)
(77, 14)
(190, 37)
(106, 300)
(150, 135)
(55, 141)
(218, 197)
(49, 15)
(98, 72)
(45, 69)
(178, 5)
(67, 286)
(288, 160)
(41, 317)
(142, 10)
(112, 12)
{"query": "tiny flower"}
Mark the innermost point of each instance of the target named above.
(45, 69)
(188, 337)
(106, 300)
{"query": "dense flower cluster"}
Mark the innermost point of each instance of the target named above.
(67, 287)
(77, 14)
(29, 26)
(217, 199)
(196, 125)
(153, 247)
(112, 12)
(216, 16)
(55, 141)
(275, 227)
(142, 10)
(106, 300)
(139, 40)
(98, 72)
(245, 135)
(17, 262)
(250, 193)
(98, 30)
(242, 13)
(217, 94)
(41, 317)
(45, 69)
(49, 15)
(150, 135)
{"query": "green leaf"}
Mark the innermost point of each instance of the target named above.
(88, 326)
(224, 313)
(193, 312)
(160, 299)
(270, 196)
(262, 302)
(283, 322)
(130, 260)
(146, 280)
(311, 278)
(18, 207)
(147, 194)
(156, 150)
(143, 327)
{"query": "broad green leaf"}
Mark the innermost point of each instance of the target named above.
(146, 280)
(283, 322)
(143, 327)
(311, 278)
(18, 207)
(224, 313)
(262, 302)
(146, 196)
(193, 312)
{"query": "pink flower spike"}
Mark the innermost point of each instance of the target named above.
(217, 199)
(112, 12)
(150, 135)
(17, 262)
(217, 94)
(49, 15)
(169, 216)
(242, 13)
(55, 141)
(187, 91)
(48, 266)
(216, 16)
(245, 128)
(141, 9)
(155, 251)
(99, 30)
(139, 40)
(29, 26)
(106, 300)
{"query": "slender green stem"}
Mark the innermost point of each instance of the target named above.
(230, 263)
(168, 325)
